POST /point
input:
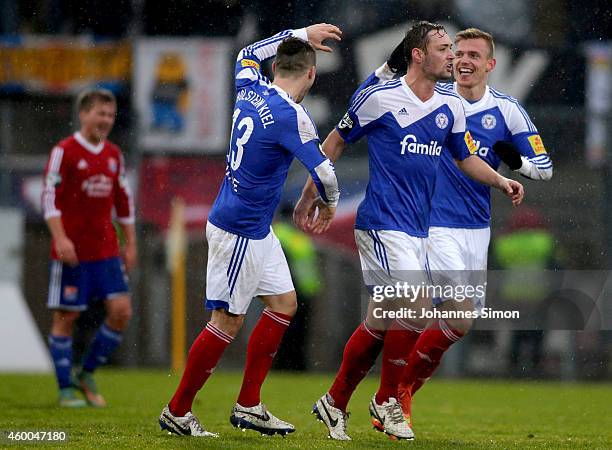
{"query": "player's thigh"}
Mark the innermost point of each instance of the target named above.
(393, 266)
(391, 256)
(69, 287)
(110, 277)
(479, 245)
(447, 262)
(275, 285)
(234, 269)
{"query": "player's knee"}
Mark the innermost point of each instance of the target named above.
(227, 322)
(119, 315)
(283, 304)
(63, 322)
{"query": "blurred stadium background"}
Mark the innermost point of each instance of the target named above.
(170, 65)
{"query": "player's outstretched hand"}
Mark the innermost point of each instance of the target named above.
(66, 252)
(509, 154)
(512, 189)
(325, 215)
(321, 31)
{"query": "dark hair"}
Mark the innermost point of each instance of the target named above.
(294, 57)
(418, 37)
(86, 99)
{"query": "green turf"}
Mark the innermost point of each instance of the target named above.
(447, 414)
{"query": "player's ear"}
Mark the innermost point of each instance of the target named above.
(417, 55)
(491, 64)
(312, 72)
(273, 66)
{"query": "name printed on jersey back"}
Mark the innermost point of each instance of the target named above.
(260, 105)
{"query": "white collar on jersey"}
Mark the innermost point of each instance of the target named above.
(95, 149)
(420, 103)
(468, 106)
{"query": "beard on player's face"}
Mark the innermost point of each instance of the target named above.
(438, 70)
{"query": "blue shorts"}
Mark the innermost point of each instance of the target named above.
(72, 288)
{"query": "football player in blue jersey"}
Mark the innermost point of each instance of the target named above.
(269, 129)
(459, 230)
(410, 123)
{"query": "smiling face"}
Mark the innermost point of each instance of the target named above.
(473, 62)
(97, 121)
(438, 60)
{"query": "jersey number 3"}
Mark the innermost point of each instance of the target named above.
(246, 127)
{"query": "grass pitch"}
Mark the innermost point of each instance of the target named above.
(447, 414)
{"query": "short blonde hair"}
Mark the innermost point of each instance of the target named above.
(475, 33)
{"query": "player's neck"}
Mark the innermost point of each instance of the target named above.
(421, 86)
(472, 94)
(90, 137)
(291, 87)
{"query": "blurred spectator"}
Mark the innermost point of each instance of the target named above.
(526, 248)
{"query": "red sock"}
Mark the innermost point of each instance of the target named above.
(424, 376)
(263, 344)
(399, 341)
(201, 361)
(360, 354)
(427, 354)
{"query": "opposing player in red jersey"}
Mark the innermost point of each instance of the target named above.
(84, 180)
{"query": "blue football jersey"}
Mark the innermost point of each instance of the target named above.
(269, 129)
(406, 140)
(459, 201)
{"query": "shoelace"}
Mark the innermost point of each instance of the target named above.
(394, 412)
(344, 422)
(195, 423)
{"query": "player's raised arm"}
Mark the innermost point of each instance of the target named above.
(248, 62)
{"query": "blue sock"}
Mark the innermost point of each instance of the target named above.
(61, 352)
(104, 344)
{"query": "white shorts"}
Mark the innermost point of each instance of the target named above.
(391, 257)
(239, 269)
(459, 256)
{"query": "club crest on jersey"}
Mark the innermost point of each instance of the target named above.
(71, 293)
(112, 165)
(346, 123)
(488, 121)
(471, 144)
(536, 144)
(411, 144)
(82, 165)
(442, 121)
